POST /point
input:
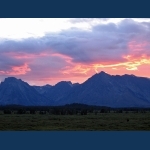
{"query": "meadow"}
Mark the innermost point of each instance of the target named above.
(112, 121)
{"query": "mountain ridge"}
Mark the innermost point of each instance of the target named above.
(101, 89)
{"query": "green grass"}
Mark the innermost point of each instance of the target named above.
(91, 122)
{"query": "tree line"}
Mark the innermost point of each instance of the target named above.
(69, 109)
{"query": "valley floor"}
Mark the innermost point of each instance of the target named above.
(90, 122)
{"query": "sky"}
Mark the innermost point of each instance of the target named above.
(49, 50)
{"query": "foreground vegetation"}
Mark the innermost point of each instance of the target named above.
(73, 117)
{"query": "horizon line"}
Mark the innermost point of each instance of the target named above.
(71, 81)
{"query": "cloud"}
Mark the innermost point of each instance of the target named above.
(16, 70)
(78, 53)
(88, 20)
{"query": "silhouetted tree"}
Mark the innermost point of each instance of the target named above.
(7, 111)
(119, 111)
(21, 111)
(102, 111)
(32, 111)
(42, 112)
(83, 112)
(69, 112)
(76, 112)
(96, 112)
(55, 111)
(63, 112)
(90, 110)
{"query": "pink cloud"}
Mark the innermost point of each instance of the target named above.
(17, 70)
(24, 55)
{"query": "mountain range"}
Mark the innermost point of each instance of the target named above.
(101, 89)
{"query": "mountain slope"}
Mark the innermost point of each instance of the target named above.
(58, 91)
(43, 89)
(15, 91)
(114, 91)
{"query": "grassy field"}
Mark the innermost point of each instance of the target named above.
(90, 122)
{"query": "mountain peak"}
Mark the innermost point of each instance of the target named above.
(47, 85)
(11, 79)
(64, 83)
(103, 73)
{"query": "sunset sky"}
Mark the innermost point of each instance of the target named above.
(47, 50)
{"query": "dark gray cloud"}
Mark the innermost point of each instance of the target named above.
(105, 41)
(6, 62)
(30, 45)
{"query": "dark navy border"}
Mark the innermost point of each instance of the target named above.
(74, 140)
(73, 9)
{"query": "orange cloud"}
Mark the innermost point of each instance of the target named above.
(130, 64)
(17, 70)
(76, 69)
(132, 61)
